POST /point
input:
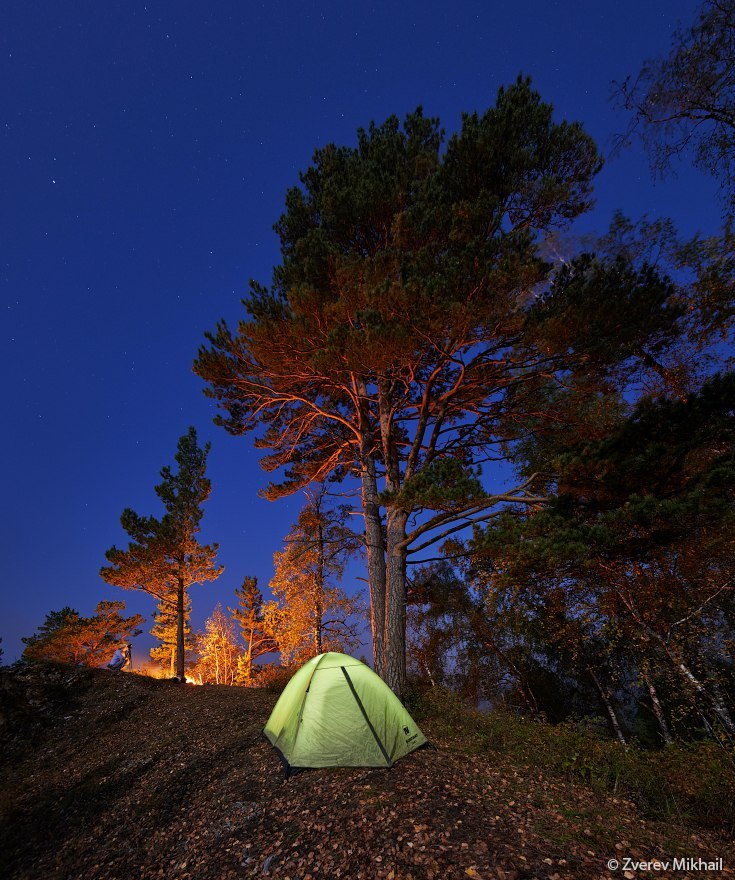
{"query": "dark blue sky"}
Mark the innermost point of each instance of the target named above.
(146, 151)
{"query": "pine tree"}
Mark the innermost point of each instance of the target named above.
(412, 319)
(164, 557)
(249, 617)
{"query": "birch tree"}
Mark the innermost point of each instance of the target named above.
(311, 614)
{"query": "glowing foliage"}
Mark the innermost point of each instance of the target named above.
(217, 650)
(66, 637)
(253, 633)
(165, 629)
(311, 614)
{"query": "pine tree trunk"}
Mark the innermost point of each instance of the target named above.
(172, 665)
(609, 708)
(394, 624)
(394, 663)
(180, 592)
(375, 549)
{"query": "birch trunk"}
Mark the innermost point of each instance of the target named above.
(716, 702)
(658, 711)
(609, 708)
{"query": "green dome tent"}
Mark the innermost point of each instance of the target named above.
(336, 712)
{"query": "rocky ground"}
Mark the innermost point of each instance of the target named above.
(110, 776)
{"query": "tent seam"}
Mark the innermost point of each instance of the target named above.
(388, 761)
(303, 703)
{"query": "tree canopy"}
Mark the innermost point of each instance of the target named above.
(628, 570)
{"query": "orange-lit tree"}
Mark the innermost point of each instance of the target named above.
(311, 613)
(217, 650)
(164, 557)
(66, 637)
(165, 629)
(410, 320)
(256, 639)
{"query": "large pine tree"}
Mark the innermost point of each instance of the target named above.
(411, 321)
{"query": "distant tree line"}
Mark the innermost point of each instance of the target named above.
(308, 615)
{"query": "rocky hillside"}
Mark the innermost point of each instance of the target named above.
(117, 777)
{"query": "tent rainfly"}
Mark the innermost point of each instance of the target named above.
(336, 712)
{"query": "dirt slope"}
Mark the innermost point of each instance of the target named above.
(119, 777)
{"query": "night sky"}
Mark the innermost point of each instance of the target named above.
(146, 151)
